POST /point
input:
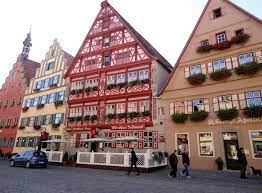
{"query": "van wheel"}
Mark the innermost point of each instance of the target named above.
(12, 163)
(28, 164)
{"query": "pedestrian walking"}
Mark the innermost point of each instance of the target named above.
(134, 160)
(243, 162)
(173, 163)
(186, 163)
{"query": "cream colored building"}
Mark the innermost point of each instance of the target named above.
(224, 45)
(44, 101)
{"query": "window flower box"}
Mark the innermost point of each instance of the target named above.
(21, 127)
(132, 115)
(196, 79)
(93, 118)
(86, 117)
(37, 127)
(198, 116)
(204, 48)
(39, 106)
(238, 39)
(145, 114)
(253, 112)
(220, 74)
(227, 114)
(121, 115)
(53, 85)
(36, 90)
(79, 91)
(222, 45)
(133, 83)
(73, 92)
(58, 103)
(121, 85)
(248, 68)
(94, 88)
(79, 118)
(56, 125)
(110, 116)
(25, 109)
(179, 117)
(144, 81)
(88, 89)
(110, 86)
(71, 119)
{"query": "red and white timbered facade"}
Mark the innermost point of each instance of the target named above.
(113, 83)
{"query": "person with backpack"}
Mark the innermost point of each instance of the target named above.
(186, 163)
(173, 163)
(243, 162)
(134, 160)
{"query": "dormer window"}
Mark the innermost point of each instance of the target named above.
(107, 60)
(217, 13)
(106, 41)
(204, 43)
(239, 32)
(221, 37)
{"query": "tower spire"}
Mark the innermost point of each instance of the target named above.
(27, 44)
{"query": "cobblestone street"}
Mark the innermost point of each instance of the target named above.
(58, 179)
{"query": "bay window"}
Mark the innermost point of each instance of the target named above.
(253, 98)
(132, 107)
(245, 58)
(132, 76)
(206, 146)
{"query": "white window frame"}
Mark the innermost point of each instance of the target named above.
(253, 97)
(121, 78)
(176, 147)
(143, 74)
(132, 76)
(244, 59)
(221, 37)
(111, 79)
(194, 69)
(110, 108)
(251, 144)
(198, 143)
(221, 102)
(221, 64)
(132, 107)
(144, 106)
(120, 108)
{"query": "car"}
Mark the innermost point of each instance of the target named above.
(29, 159)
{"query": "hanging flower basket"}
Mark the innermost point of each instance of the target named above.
(238, 39)
(222, 45)
(179, 117)
(145, 114)
(25, 109)
(198, 116)
(133, 83)
(220, 74)
(248, 68)
(253, 112)
(227, 114)
(204, 48)
(196, 79)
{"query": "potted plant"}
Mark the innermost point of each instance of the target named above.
(198, 116)
(220, 163)
(204, 48)
(53, 85)
(65, 159)
(39, 106)
(110, 86)
(179, 117)
(196, 79)
(36, 90)
(133, 83)
(253, 112)
(88, 89)
(222, 45)
(79, 91)
(94, 88)
(37, 127)
(220, 74)
(248, 68)
(121, 85)
(227, 114)
(144, 81)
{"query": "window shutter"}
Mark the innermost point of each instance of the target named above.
(203, 69)
(171, 108)
(206, 102)
(186, 72)
(242, 100)
(235, 101)
(235, 62)
(215, 104)
(210, 67)
(228, 63)
(189, 106)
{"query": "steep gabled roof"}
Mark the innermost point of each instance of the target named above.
(30, 67)
(194, 30)
(139, 38)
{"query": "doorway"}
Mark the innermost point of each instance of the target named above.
(231, 147)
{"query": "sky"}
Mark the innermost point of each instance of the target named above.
(166, 24)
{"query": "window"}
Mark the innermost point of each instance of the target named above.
(61, 96)
(197, 105)
(6, 103)
(143, 74)
(15, 121)
(245, 58)
(225, 102)
(256, 143)
(106, 41)
(132, 76)
(30, 142)
(182, 143)
(111, 79)
(253, 98)
(107, 60)
(90, 110)
(219, 65)
(221, 37)
(54, 80)
(57, 118)
(49, 66)
(120, 78)
(13, 102)
(148, 139)
(132, 107)
(123, 55)
(144, 106)
(217, 13)
(92, 82)
(36, 101)
(110, 108)
(20, 100)
(239, 32)
(38, 85)
(75, 112)
(51, 98)
(8, 123)
(195, 69)
(23, 141)
(120, 108)
(27, 102)
(206, 146)
(46, 82)
(32, 102)
(204, 43)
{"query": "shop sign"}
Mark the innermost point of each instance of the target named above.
(234, 121)
(128, 127)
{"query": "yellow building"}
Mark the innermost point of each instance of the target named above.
(44, 101)
(213, 99)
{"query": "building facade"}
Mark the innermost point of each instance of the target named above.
(213, 97)
(114, 80)
(12, 94)
(44, 101)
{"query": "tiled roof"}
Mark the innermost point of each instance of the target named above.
(30, 67)
(69, 58)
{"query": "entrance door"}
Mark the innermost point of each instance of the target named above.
(231, 147)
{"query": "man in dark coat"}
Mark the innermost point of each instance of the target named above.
(243, 162)
(173, 163)
(186, 163)
(134, 159)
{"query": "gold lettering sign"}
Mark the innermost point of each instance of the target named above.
(234, 121)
